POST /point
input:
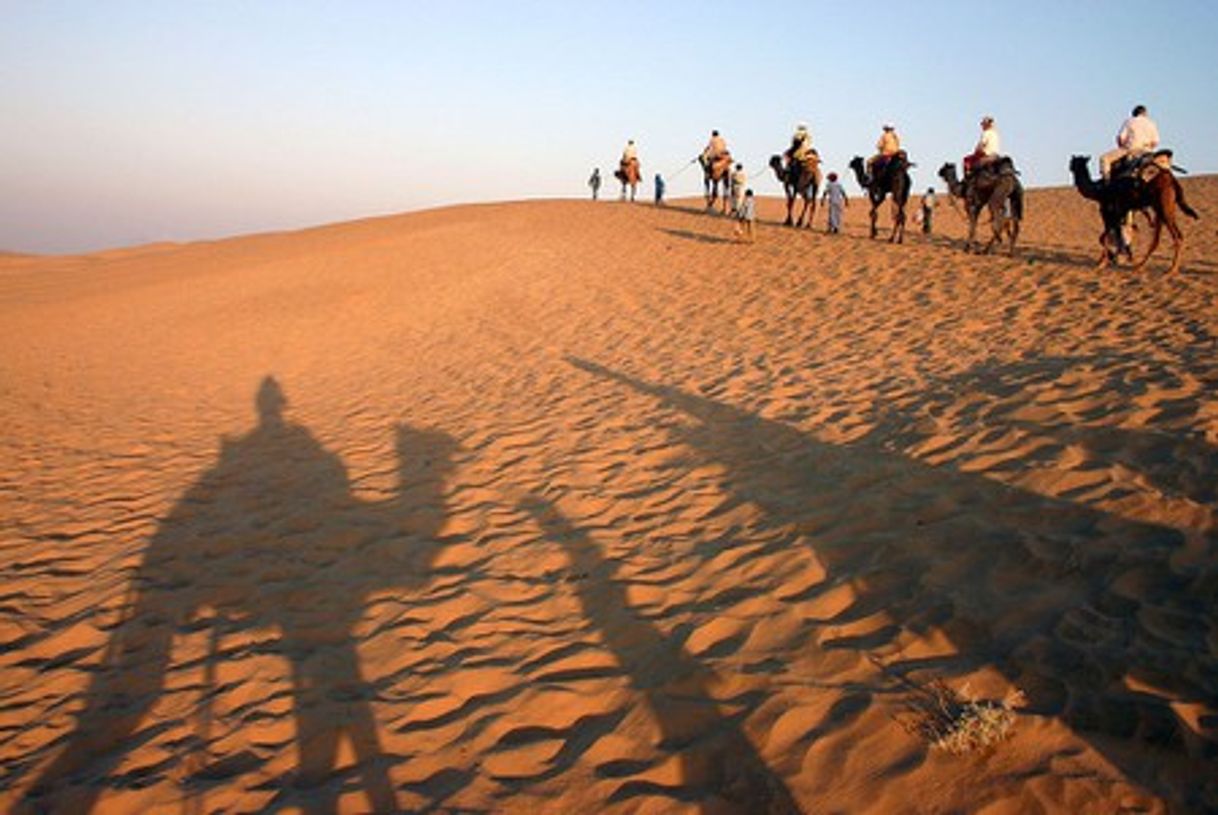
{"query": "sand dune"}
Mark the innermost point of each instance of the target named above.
(562, 506)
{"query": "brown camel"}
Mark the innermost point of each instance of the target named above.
(629, 173)
(1153, 188)
(993, 188)
(713, 175)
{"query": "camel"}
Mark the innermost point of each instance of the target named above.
(992, 188)
(1153, 190)
(893, 178)
(714, 174)
(266, 571)
(802, 179)
(629, 173)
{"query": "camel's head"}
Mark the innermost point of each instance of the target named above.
(1079, 163)
(856, 163)
(776, 163)
(947, 171)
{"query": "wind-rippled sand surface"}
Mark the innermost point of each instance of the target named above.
(575, 507)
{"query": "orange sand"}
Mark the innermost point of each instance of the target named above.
(581, 507)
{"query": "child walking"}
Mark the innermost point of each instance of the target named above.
(746, 216)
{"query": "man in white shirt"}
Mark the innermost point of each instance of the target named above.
(1138, 135)
(987, 149)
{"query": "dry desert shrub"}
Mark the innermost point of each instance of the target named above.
(958, 721)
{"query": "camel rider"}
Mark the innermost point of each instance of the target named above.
(1138, 135)
(715, 150)
(986, 151)
(887, 147)
(630, 155)
(801, 144)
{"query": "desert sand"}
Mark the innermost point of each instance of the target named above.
(576, 507)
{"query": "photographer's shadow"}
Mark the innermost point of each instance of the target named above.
(270, 537)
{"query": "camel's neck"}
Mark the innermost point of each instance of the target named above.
(1084, 183)
(953, 182)
(779, 173)
(861, 175)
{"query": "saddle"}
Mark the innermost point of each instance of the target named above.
(626, 169)
(721, 165)
(883, 164)
(991, 170)
(1143, 166)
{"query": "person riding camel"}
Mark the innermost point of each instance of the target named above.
(1138, 135)
(887, 147)
(715, 151)
(630, 155)
(987, 150)
(801, 145)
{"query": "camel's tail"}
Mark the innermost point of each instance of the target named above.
(1181, 203)
(1017, 202)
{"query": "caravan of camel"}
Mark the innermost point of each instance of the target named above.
(1139, 181)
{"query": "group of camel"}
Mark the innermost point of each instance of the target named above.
(1151, 188)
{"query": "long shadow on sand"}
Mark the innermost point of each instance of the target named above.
(270, 538)
(1072, 256)
(713, 752)
(1100, 620)
(699, 237)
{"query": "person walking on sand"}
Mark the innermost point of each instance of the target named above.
(928, 210)
(659, 190)
(738, 182)
(835, 196)
(746, 217)
(594, 182)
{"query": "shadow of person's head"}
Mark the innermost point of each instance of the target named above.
(270, 402)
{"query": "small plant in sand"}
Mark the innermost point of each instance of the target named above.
(959, 722)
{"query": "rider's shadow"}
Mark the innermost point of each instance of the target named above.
(270, 538)
(712, 749)
(1073, 604)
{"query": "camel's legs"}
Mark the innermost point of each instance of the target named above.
(898, 223)
(1105, 252)
(1177, 238)
(974, 215)
(997, 224)
(1156, 226)
(1177, 246)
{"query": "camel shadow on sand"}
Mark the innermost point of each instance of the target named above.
(712, 749)
(1081, 609)
(270, 538)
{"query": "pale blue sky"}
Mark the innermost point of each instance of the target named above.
(131, 122)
